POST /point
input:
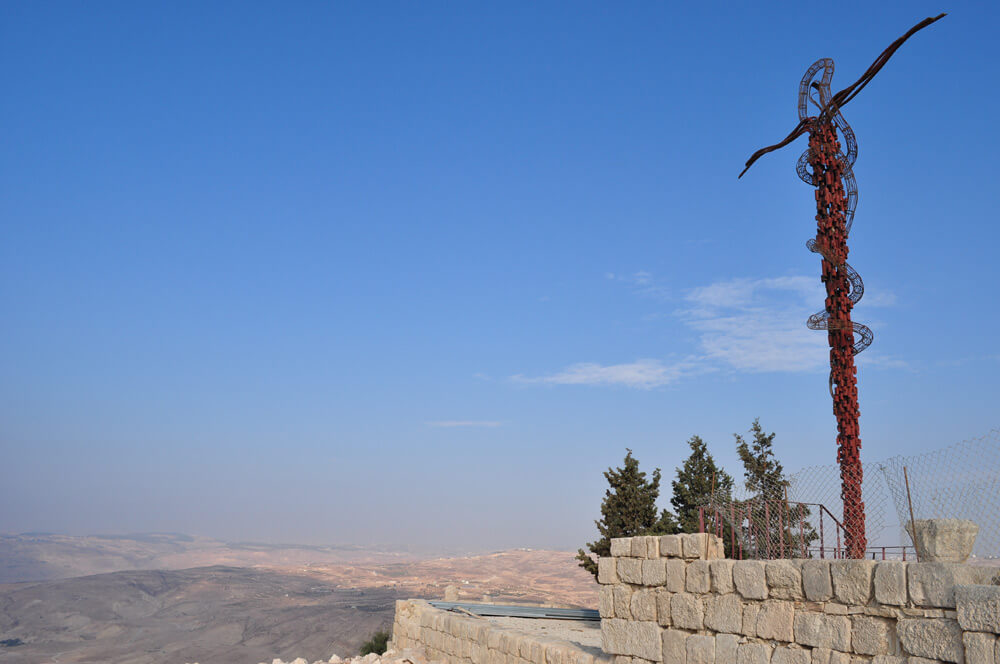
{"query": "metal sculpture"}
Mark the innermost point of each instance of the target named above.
(828, 167)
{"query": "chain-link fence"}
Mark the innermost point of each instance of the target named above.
(803, 517)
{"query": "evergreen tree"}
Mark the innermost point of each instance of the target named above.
(628, 509)
(694, 488)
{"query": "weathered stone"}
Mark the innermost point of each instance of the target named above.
(820, 630)
(630, 570)
(695, 545)
(686, 611)
(700, 649)
(621, 546)
(873, 636)
(724, 613)
(654, 572)
(699, 579)
(827, 656)
(622, 601)
(753, 653)
(606, 602)
(663, 607)
(725, 648)
(775, 620)
(852, 580)
(933, 584)
(889, 659)
(978, 608)
(835, 609)
(644, 546)
(750, 613)
(631, 637)
(935, 638)
(749, 578)
(674, 651)
(722, 576)
(676, 575)
(643, 604)
(607, 571)
(624, 659)
(943, 540)
(670, 546)
(784, 579)
(890, 583)
(790, 655)
(980, 648)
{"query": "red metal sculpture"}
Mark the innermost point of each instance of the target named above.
(828, 167)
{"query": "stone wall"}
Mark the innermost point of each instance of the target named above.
(676, 600)
(454, 638)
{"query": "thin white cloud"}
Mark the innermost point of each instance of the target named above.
(642, 282)
(644, 374)
(449, 424)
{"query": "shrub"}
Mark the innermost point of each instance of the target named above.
(376, 644)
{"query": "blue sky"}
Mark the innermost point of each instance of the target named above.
(415, 274)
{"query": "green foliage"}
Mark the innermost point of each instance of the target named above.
(628, 509)
(764, 474)
(699, 481)
(376, 644)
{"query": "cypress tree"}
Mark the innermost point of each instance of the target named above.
(693, 487)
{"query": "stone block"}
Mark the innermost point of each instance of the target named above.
(852, 580)
(699, 579)
(630, 570)
(873, 636)
(980, 648)
(943, 540)
(934, 638)
(654, 572)
(775, 620)
(632, 638)
(816, 580)
(724, 613)
(670, 546)
(820, 630)
(686, 611)
(784, 579)
(753, 653)
(621, 546)
(646, 546)
(700, 649)
(695, 546)
(978, 608)
(674, 649)
(790, 655)
(827, 656)
(676, 575)
(933, 584)
(607, 571)
(663, 607)
(750, 580)
(890, 582)
(622, 601)
(606, 602)
(722, 576)
(889, 659)
(643, 604)
(750, 612)
(725, 648)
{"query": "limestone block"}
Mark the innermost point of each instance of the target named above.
(663, 607)
(686, 611)
(623, 601)
(670, 546)
(699, 579)
(873, 636)
(722, 577)
(890, 582)
(934, 638)
(654, 572)
(775, 620)
(790, 655)
(624, 659)
(674, 648)
(647, 546)
(852, 580)
(978, 608)
(816, 580)
(889, 659)
(700, 649)
(695, 545)
(750, 580)
(607, 570)
(724, 613)
(630, 570)
(820, 630)
(750, 612)
(725, 648)
(943, 540)
(631, 637)
(676, 575)
(753, 653)
(621, 546)
(643, 604)
(835, 609)
(784, 579)
(827, 656)
(980, 648)
(606, 602)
